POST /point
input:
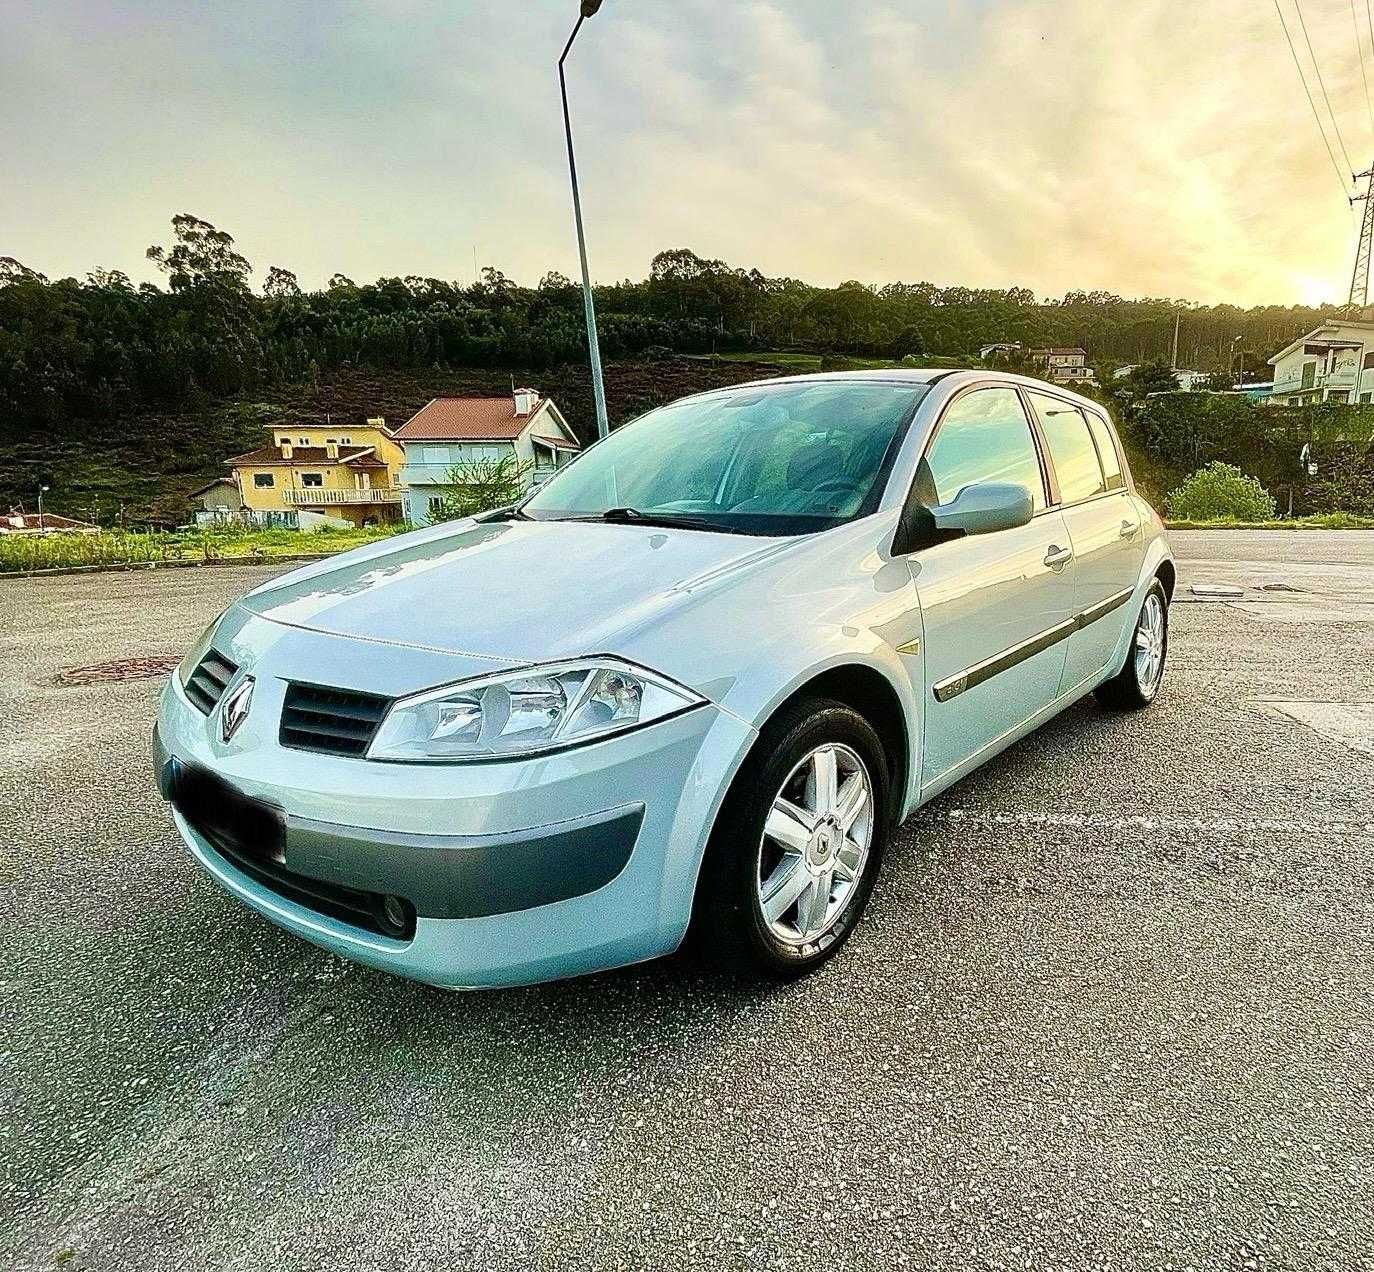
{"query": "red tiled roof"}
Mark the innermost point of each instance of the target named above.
(311, 456)
(466, 419)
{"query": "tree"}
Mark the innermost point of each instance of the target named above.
(280, 283)
(481, 485)
(1150, 377)
(202, 257)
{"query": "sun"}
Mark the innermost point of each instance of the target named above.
(1315, 291)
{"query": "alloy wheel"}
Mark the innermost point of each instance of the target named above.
(815, 845)
(1149, 645)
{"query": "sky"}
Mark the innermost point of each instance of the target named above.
(1146, 147)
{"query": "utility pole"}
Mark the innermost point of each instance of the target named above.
(1359, 278)
(42, 490)
(588, 10)
(1173, 359)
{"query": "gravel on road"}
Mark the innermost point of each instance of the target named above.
(1111, 1005)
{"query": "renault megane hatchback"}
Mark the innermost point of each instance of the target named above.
(692, 682)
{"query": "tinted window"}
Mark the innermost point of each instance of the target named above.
(1106, 451)
(1071, 448)
(984, 436)
(784, 459)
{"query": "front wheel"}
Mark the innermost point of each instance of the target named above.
(1137, 683)
(797, 845)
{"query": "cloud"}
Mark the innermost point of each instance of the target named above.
(1135, 145)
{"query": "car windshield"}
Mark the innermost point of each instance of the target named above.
(771, 460)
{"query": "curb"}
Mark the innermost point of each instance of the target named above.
(174, 564)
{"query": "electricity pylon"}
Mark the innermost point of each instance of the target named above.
(1359, 280)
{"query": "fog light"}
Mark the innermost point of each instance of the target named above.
(396, 916)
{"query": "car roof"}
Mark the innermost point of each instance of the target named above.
(923, 375)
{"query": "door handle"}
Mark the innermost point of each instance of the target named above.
(1058, 556)
(1128, 529)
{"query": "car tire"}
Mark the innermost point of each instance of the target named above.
(1136, 685)
(743, 920)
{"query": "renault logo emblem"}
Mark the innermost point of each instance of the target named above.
(236, 707)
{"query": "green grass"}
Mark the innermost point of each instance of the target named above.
(1321, 521)
(113, 548)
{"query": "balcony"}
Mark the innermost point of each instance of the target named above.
(321, 497)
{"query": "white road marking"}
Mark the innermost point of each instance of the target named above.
(1166, 822)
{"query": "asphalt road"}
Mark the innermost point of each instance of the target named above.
(1112, 1005)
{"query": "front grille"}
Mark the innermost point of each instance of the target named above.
(332, 721)
(206, 685)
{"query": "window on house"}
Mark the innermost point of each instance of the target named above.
(1368, 361)
(1309, 374)
(262, 480)
(436, 505)
(331, 441)
(312, 479)
(304, 441)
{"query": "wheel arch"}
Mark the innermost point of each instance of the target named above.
(1167, 574)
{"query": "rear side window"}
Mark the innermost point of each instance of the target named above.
(1106, 451)
(1071, 449)
(984, 436)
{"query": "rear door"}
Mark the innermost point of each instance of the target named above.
(1104, 528)
(996, 608)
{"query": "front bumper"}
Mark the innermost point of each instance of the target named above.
(516, 871)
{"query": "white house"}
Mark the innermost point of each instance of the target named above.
(1331, 363)
(452, 431)
(1064, 366)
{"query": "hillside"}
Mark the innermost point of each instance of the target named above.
(141, 467)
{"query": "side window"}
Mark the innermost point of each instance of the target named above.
(312, 479)
(1071, 449)
(984, 436)
(262, 480)
(1106, 451)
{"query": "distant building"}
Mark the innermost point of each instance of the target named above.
(1064, 366)
(216, 501)
(1331, 363)
(343, 472)
(19, 522)
(451, 431)
(1000, 349)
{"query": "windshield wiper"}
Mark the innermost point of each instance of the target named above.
(666, 519)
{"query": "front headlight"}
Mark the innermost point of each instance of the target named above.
(526, 712)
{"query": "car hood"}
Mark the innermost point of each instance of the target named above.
(512, 591)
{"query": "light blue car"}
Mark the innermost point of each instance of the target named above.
(692, 683)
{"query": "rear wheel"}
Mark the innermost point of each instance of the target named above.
(1136, 685)
(797, 845)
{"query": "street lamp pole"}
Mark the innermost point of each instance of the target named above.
(1240, 379)
(589, 8)
(42, 490)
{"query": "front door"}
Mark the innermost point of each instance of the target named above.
(996, 608)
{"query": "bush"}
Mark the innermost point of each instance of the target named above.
(1220, 492)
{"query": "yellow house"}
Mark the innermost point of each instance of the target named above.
(338, 470)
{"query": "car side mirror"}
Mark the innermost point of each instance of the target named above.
(985, 507)
(982, 508)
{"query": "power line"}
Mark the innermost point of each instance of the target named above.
(1302, 78)
(1364, 75)
(1321, 82)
